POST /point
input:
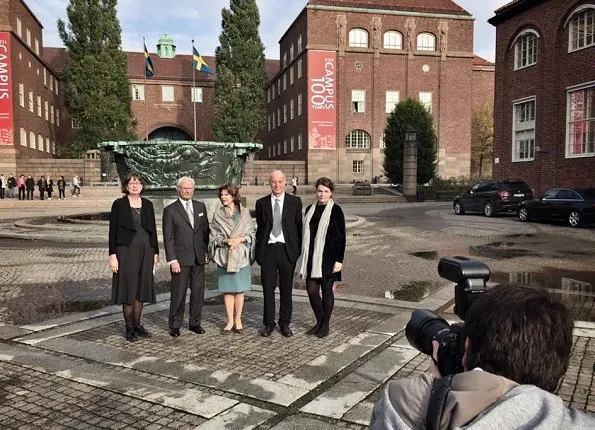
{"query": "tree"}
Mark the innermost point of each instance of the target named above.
(482, 137)
(241, 77)
(410, 114)
(97, 91)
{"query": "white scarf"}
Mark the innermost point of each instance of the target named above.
(318, 241)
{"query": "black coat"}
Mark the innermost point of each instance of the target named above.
(121, 224)
(334, 244)
(291, 221)
(30, 184)
(182, 242)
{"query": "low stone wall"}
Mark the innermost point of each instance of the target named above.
(256, 172)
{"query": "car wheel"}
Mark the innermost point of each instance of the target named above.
(574, 218)
(524, 214)
(459, 208)
(488, 209)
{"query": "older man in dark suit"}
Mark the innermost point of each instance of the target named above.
(278, 246)
(185, 237)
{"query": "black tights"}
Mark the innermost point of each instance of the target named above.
(322, 307)
(132, 314)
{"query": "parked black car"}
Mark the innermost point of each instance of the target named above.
(491, 197)
(573, 205)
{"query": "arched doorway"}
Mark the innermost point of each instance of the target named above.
(169, 133)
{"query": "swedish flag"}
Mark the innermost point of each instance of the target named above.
(199, 64)
(149, 71)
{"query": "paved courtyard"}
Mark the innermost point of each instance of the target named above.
(65, 364)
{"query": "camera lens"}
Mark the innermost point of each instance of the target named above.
(422, 328)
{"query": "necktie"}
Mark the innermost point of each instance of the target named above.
(190, 213)
(277, 229)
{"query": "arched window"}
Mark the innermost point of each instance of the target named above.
(393, 40)
(357, 139)
(581, 28)
(525, 49)
(358, 38)
(426, 42)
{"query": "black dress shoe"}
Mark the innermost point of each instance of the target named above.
(131, 335)
(197, 329)
(323, 332)
(313, 330)
(286, 331)
(141, 331)
(174, 332)
(267, 331)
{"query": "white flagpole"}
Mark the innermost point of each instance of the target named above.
(193, 95)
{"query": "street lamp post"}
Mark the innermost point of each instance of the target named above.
(410, 164)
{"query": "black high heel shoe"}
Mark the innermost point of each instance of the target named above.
(131, 335)
(141, 331)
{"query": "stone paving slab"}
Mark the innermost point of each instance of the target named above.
(240, 417)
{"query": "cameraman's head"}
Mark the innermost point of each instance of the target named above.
(521, 333)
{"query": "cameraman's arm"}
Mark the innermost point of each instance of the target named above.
(434, 366)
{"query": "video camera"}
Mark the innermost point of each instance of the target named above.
(425, 326)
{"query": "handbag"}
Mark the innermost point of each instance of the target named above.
(252, 252)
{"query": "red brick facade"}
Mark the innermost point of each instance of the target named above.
(559, 74)
(447, 72)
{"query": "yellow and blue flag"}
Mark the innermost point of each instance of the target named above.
(199, 64)
(149, 70)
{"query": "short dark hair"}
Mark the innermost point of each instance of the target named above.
(129, 177)
(521, 333)
(325, 182)
(233, 191)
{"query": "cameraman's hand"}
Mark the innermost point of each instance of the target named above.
(434, 366)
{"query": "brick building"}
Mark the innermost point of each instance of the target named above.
(345, 64)
(545, 92)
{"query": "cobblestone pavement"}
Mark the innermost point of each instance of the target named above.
(64, 362)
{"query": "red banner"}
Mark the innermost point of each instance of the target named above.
(322, 105)
(6, 126)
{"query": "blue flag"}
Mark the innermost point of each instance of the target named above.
(149, 70)
(199, 64)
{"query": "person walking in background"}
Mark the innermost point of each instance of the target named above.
(294, 184)
(21, 184)
(133, 254)
(2, 186)
(278, 244)
(42, 186)
(11, 185)
(50, 188)
(76, 187)
(186, 237)
(61, 188)
(232, 235)
(30, 186)
(323, 249)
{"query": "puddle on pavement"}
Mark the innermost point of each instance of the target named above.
(414, 291)
(495, 250)
(577, 288)
(517, 235)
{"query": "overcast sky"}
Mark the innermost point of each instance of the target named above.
(185, 20)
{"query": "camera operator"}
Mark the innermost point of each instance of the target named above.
(517, 347)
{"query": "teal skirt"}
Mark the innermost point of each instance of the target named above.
(234, 282)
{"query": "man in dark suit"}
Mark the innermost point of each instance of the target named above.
(186, 236)
(278, 246)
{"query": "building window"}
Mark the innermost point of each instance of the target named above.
(299, 142)
(279, 86)
(56, 86)
(358, 166)
(22, 95)
(30, 101)
(36, 46)
(279, 116)
(393, 40)
(284, 81)
(383, 141)
(167, 93)
(292, 144)
(57, 118)
(291, 53)
(358, 38)
(46, 109)
(358, 101)
(299, 68)
(32, 139)
(291, 109)
(285, 59)
(23, 137)
(274, 121)
(392, 99)
(299, 104)
(268, 122)
(51, 83)
(28, 37)
(285, 146)
(581, 122)
(19, 27)
(138, 92)
(525, 49)
(75, 124)
(291, 75)
(284, 114)
(299, 43)
(38, 105)
(425, 98)
(523, 130)
(274, 149)
(45, 78)
(47, 145)
(53, 147)
(196, 95)
(39, 142)
(278, 148)
(581, 28)
(426, 42)
(357, 139)
(52, 114)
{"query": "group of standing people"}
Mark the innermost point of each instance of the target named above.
(283, 243)
(24, 187)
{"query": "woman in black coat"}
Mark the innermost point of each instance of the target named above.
(133, 254)
(323, 249)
